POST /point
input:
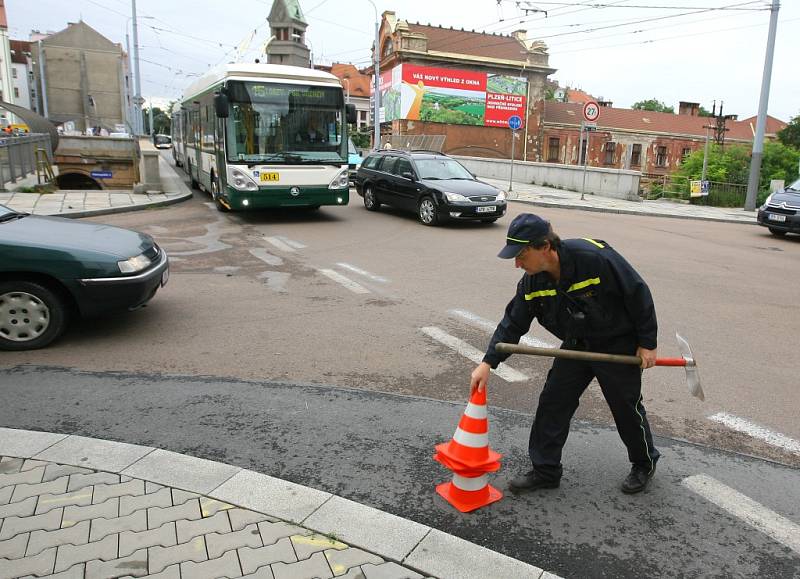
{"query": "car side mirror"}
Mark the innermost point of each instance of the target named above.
(409, 175)
(350, 110)
(221, 105)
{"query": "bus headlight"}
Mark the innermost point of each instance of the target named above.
(241, 180)
(341, 181)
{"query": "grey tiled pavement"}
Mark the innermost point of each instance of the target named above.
(113, 525)
(79, 507)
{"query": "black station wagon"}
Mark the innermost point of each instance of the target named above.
(436, 187)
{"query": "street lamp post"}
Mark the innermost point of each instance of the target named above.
(377, 92)
(136, 111)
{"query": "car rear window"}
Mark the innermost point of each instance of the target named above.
(371, 162)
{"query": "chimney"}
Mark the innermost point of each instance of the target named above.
(689, 109)
(521, 35)
(602, 103)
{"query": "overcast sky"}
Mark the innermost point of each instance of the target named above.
(674, 50)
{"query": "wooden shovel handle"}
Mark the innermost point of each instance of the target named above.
(581, 355)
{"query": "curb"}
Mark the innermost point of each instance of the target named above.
(631, 212)
(422, 548)
(125, 208)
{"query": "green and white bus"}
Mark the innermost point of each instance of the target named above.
(265, 135)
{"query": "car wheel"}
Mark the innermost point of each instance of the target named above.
(777, 232)
(427, 211)
(220, 203)
(31, 315)
(370, 199)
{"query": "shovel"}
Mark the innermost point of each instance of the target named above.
(686, 360)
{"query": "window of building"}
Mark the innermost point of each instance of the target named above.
(661, 157)
(14, 72)
(609, 149)
(281, 33)
(553, 149)
(297, 35)
(16, 92)
(582, 154)
(636, 155)
(685, 152)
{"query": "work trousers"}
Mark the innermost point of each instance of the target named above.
(622, 388)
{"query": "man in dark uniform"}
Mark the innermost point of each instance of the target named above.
(587, 295)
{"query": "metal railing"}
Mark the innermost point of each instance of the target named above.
(720, 194)
(18, 156)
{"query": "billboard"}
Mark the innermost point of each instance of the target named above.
(445, 95)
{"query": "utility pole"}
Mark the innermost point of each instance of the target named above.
(137, 100)
(705, 153)
(758, 140)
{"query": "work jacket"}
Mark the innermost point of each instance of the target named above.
(599, 303)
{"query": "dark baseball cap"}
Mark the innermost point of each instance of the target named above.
(525, 229)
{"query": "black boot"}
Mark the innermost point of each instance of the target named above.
(638, 479)
(531, 481)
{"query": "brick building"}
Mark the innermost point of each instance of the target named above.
(461, 84)
(646, 141)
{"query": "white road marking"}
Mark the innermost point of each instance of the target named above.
(275, 280)
(280, 244)
(362, 272)
(756, 431)
(345, 281)
(755, 514)
(471, 353)
(485, 324)
(292, 242)
(266, 256)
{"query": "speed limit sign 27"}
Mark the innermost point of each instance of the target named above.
(591, 111)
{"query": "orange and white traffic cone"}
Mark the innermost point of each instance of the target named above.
(469, 457)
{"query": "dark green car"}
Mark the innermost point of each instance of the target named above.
(53, 268)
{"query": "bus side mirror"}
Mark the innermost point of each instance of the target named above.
(350, 109)
(221, 105)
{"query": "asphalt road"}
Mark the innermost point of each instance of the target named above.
(256, 308)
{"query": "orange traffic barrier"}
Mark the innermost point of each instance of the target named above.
(469, 457)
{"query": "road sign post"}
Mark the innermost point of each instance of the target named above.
(591, 112)
(514, 123)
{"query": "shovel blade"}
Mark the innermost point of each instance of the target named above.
(692, 375)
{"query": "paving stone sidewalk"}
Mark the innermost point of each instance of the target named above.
(71, 522)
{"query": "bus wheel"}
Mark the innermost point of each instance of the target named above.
(218, 201)
(192, 182)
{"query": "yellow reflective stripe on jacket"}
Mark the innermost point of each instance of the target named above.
(583, 284)
(593, 242)
(540, 294)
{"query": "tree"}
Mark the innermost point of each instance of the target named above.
(790, 134)
(703, 112)
(652, 105)
(161, 121)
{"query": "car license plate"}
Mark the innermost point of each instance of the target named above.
(165, 277)
(270, 176)
(489, 209)
(773, 217)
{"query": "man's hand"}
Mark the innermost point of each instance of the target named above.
(480, 377)
(648, 357)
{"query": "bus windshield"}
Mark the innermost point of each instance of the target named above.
(285, 123)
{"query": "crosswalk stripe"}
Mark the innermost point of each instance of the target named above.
(485, 324)
(362, 272)
(292, 242)
(471, 353)
(345, 281)
(756, 431)
(280, 244)
(266, 256)
(753, 513)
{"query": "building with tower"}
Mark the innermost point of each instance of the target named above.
(288, 26)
